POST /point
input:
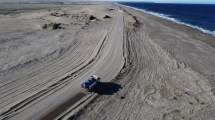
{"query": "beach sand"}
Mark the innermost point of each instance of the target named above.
(169, 74)
(158, 69)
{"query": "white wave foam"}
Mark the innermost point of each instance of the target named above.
(168, 17)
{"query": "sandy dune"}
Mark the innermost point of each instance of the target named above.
(52, 72)
(158, 69)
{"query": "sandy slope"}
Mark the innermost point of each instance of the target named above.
(169, 74)
(33, 87)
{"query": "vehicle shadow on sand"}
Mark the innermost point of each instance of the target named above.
(106, 88)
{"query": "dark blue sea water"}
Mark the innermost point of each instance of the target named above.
(201, 17)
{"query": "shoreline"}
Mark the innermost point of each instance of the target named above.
(167, 65)
(165, 17)
(196, 33)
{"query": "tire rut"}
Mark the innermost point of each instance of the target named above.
(155, 84)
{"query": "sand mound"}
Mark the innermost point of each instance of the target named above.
(60, 14)
(83, 17)
(77, 16)
(92, 17)
(111, 9)
(107, 16)
(53, 26)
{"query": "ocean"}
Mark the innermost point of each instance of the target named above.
(197, 16)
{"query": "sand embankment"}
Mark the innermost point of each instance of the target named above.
(169, 74)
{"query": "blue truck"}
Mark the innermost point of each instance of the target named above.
(88, 84)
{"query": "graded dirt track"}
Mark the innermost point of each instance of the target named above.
(169, 74)
(51, 85)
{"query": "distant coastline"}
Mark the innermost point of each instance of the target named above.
(167, 17)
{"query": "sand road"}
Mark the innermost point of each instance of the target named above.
(103, 57)
(169, 74)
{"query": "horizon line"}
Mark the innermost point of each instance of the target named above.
(112, 1)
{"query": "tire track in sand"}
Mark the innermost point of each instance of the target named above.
(154, 86)
(26, 95)
(110, 57)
